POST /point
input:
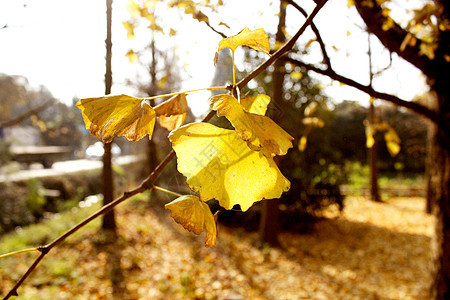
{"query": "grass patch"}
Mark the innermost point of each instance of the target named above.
(50, 228)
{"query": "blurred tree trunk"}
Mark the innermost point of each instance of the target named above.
(439, 172)
(152, 90)
(109, 221)
(373, 159)
(437, 70)
(269, 222)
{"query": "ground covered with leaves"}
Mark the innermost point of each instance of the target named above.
(370, 251)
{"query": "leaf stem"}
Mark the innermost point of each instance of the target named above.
(155, 187)
(234, 70)
(213, 88)
(18, 252)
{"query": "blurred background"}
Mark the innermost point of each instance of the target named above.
(354, 225)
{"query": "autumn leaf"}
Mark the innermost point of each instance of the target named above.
(258, 131)
(129, 27)
(296, 75)
(392, 141)
(302, 143)
(194, 216)
(314, 122)
(172, 112)
(310, 109)
(122, 115)
(132, 56)
(370, 132)
(256, 104)
(256, 39)
(218, 164)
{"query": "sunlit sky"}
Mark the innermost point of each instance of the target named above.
(60, 44)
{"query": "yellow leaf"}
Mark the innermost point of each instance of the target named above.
(388, 24)
(258, 131)
(172, 122)
(132, 56)
(313, 121)
(194, 216)
(310, 109)
(129, 27)
(172, 112)
(122, 115)
(256, 39)
(218, 164)
(133, 8)
(296, 75)
(302, 143)
(370, 132)
(392, 142)
(309, 43)
(427, 50)
(256, 104)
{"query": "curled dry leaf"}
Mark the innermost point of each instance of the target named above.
(258, 131)
(256, 39)
(194, 216)
(172, 112)
(218, 164)
(121, 115)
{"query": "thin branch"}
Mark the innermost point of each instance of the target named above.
(284, 49)
(326, 58)
(223, 35)
(145, 185)
(420, 109)
(187, 92)
(148, 183)
(26, 115)
(18, 252)
(155, 187)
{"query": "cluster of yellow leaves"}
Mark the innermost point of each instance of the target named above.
(390, 136)
(131, 117)
(231, 166)
(310, 122)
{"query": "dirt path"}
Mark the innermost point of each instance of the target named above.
(372, 251)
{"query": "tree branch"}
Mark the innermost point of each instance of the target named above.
(284, 49)
(146, 184)
(420, 109)
(26, 115)
(149, 181)
(392, 38)
(326, 58)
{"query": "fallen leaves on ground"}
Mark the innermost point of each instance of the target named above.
(372, 251)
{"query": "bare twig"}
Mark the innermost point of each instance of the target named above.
(326, 58)
(26, 115)
(420, 109)
(284, 49)
(148, 183)
(145, 185)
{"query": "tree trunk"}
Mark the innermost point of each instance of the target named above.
(440, 193)
(440, 190)
(269, 222)
(373, 160)
(109, 221)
